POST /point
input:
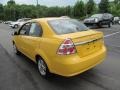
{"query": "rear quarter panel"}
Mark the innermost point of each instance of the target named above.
(48, 50)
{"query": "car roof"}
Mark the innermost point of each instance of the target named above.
(48, 18)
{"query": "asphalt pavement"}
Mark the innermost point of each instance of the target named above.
(19, 73)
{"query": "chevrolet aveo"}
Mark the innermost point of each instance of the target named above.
(61, 46)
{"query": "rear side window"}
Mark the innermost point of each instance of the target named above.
(66, 26)
(35, 30)
(105, 16)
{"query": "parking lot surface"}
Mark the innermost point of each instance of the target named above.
(19, 73)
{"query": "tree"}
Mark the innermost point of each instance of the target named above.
(90, 7)
(1, 8)
(1, 11)
(13, 11)
(79, 9)
(117, 1)
(10, 10)
(68, 10)
(115, 7)
(55, 11)
(104, 6)
(11, 2)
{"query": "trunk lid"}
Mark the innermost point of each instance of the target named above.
(86, 42)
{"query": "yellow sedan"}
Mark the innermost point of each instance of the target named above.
(61, 46)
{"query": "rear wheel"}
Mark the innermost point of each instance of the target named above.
(42, 67)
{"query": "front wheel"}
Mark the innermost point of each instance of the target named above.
(16, 26)
(42, 67)
(15, 49)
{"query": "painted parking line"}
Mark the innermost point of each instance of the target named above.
(111, 34)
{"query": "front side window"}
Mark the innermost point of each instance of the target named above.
(66, 26)
(35, 30)
(25, 29)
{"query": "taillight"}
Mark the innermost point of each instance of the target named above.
(66, 48)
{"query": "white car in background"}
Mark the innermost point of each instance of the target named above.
(7, 22)
(119, 22)
(19, 22)
(116, 20)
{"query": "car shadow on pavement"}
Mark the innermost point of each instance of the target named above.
(89, 79)
(71, 83)
(54, 78)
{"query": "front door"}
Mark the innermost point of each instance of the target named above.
(32, 41)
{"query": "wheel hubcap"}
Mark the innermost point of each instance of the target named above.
(16, 26)
(42, 67)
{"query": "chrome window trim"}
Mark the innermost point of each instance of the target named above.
(85, 42)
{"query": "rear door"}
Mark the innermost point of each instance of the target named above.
(33, 39)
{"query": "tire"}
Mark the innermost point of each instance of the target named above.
(15, 50)
(42, 67)
(15, 26)
(99, 25)
(110, 24)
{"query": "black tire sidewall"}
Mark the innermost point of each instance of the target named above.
(16, 26)
(110, 24)
(47, 70)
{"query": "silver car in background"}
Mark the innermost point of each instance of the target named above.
(19, 22)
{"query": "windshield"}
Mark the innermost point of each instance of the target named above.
(97, 15)
(65, 26)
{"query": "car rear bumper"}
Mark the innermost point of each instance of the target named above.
(76, 65)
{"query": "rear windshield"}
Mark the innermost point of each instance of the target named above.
(66, 26)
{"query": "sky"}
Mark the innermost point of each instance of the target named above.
(47, 2)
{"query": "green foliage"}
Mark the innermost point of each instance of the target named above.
(55, 12)
(11, 2)
(104, 6)
(80, 10)
(1, 8)
(1, 11)
(117, 1)
(115, 8)
(90, 7)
